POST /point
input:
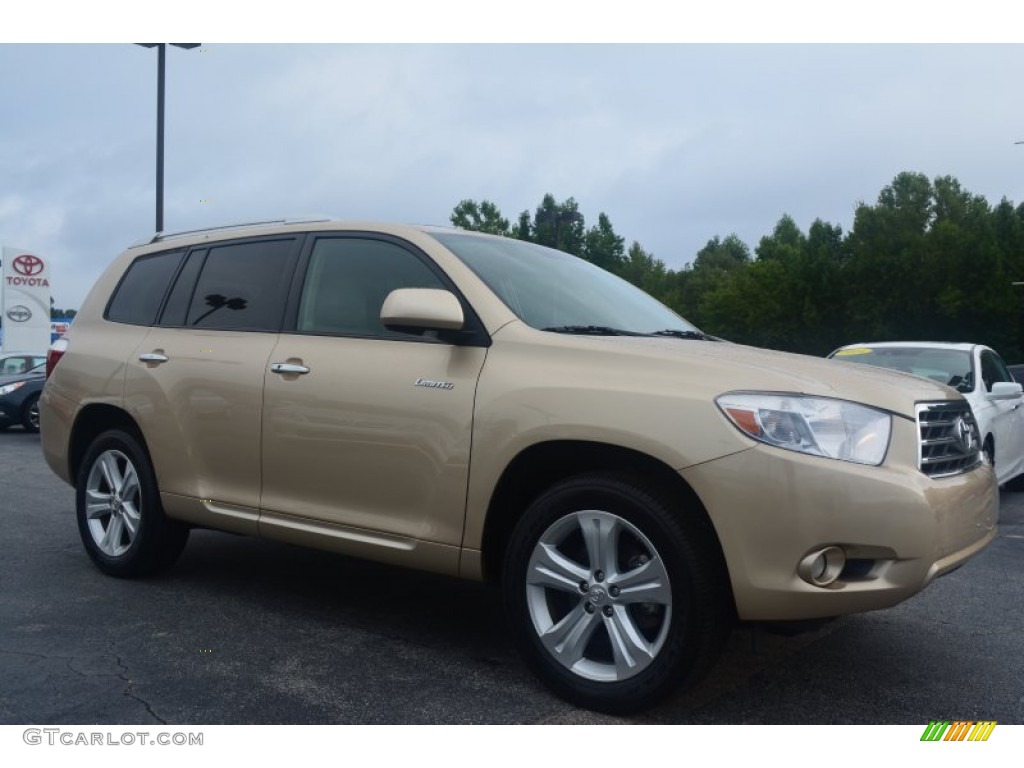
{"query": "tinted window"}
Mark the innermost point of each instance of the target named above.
(243, 286)
(348, 280)
(142, 288)
(549, 289)
(176, 308)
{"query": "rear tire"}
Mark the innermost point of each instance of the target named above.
(616, 596)
(120, 518)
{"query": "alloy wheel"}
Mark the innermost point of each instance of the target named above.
(599, 596)
(113, 503)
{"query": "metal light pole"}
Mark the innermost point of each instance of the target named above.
(161, 66)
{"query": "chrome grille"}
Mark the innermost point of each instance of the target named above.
(949, 441)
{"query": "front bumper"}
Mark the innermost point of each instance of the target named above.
(10, 411)
(898, 528)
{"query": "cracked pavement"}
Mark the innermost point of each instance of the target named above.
(247, 631)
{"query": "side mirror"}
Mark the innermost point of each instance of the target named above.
(422, 309)
(1005, 390)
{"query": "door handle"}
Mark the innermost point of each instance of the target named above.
(153, 357)
(288, 368)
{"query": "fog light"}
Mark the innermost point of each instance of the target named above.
(822, 566)
(818, 567)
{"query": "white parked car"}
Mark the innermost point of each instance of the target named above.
(980, 374)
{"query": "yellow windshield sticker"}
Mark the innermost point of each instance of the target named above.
(856, 351)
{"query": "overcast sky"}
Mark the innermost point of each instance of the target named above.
(676, 143)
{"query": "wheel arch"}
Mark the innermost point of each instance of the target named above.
(92, 421)
(541, 465)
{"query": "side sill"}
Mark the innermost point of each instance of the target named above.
(211, 514)
(358, 542)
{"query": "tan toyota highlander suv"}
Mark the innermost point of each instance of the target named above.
(492, 409)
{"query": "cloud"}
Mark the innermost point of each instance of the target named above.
(677, 144)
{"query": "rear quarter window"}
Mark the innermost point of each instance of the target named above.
(138, 296)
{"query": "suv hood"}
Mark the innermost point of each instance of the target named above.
(718, 367)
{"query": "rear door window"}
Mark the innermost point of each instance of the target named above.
(241, 286)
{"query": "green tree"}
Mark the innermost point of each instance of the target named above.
(601, 246)
(752, 305)
(971, 282)
(927, 260)
(889, 260)
(785, 244)
(714, 265)
(523, 228)
(930, 260)
(722, 255)
(558, 225)
(790, 297)
(644, 271)
(480, 217)
(824, 293)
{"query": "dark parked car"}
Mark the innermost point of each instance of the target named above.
(19, 398)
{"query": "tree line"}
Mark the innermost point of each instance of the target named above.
(928, 261)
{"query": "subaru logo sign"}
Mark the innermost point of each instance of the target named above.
(19, 313)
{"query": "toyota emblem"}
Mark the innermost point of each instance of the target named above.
(27, 265)
(964, 434)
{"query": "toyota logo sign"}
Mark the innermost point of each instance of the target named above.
(964, 434)
(19, 313)
(27, 265)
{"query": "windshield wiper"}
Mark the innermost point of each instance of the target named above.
(681, 334)
(591, 330)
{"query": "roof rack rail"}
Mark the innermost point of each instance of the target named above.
(161, 236)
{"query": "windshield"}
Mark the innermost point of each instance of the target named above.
(551, 290)
(946, 366)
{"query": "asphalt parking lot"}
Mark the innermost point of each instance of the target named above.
(247, 631)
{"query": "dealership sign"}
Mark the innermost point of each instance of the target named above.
(24, 300)
(28, 270)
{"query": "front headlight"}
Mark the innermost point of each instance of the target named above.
(6, 390)
(819, 426)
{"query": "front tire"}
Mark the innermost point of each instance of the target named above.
(616, 596)
(120, 518)
(30, 414)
